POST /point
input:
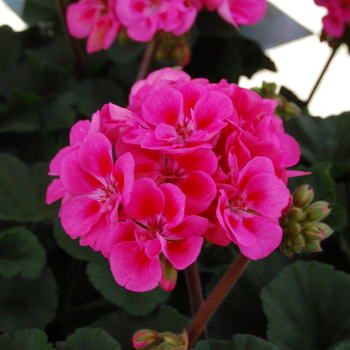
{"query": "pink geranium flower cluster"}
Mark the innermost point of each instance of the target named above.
(338, 17)
(186, 160)
(101, 20)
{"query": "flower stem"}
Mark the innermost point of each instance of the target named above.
(322, 74)
(215, 298)
(147, 58)
(78, 56)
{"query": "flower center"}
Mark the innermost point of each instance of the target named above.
(183, 132)
(237, 202)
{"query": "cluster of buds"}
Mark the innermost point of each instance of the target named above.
(285, 108)
(147, 339)
(301, 224)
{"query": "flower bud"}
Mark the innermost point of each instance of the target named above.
(313, 246)
(292, 109)
(317, 211)
(303, 196)
(294, 229)
(317, 231)
(169, 277)
(299, 240)
(295, 214)
(144, 338)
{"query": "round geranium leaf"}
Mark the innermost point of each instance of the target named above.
(26, 339)
(307, 307)
(27, 303)
(136, 304)
(21, 253)
(72, 246)
(238, 342)
(89, 339)
(122, 326)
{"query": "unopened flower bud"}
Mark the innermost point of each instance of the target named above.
(303, 196)
(144, 338)
(292, 109)
(297, 249)
(313, 246)
(317, 231)
(169, 277)
(317, 211)
(295, 214)
(294, 229)
(299, 241)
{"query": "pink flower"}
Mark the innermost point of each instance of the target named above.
(162, 229)
(144, 17)
(181, 119)
(95, 189)
(190, 172)
(94, 19)
(249, 210)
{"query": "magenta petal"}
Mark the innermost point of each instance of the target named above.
(95, 156)
(153, 248)
(78, 132)
(174, 208)
(75, 180)
(183, 253)
(132, 268)
(294, 173)
(199, 189)
(124, 174)
(146, 203)
(55, 191)
(55, 164)
(291, 150)
(191, 225)
(80, 18)
(79, 214)
(163, 106)
(211, 108)
(268, 237)
(266, 194)
(201, 159)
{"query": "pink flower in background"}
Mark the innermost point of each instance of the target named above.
(144, 17)
(95, 20)
(338, 16)
(164, 229)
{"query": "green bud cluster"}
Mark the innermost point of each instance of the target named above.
(147, 339)
(285, 109)
(301, 224)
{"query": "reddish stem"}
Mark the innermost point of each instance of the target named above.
(147, 58)
(215, 298)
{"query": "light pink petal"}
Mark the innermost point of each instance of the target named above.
(79, 214)
(95, 156)
(199, 189)
(55, 191)
(153, 248)
(183, 253)
(174, 208)
(211, 108)
(55, 164)
(146, 203)
(76, 180)
(132, 268)
(266, 194)
(78, 132)
(268, 237)
(163, 106)
(191, 225)
(124, 174)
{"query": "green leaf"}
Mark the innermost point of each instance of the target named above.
(10, 47)
(322, 139)
(136, 304)
(92, 94)
(21, 253)
(58, 112)
(38, 10)
(307, 307)
(23, 191)
(25, 339)
(19, 113)
(124, 53)
(244, 299)
(72, 246)
(122, 326)
(238, 342)
(27, 303)
(89, 339)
